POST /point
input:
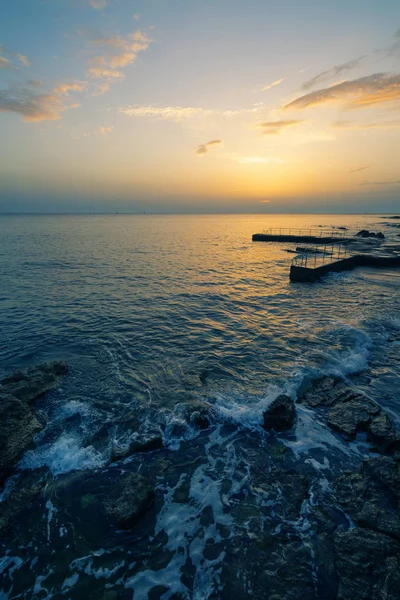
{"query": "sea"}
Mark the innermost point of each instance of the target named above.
(153, 313)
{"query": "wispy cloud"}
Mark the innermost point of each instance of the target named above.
(358, 93)
(271, 85)
(204, 148)
(100, 73)
(105, 130)
(174, 113)
(276, 127)
(360, 169)
(6, 63)
(334, 72)
(119, 52)
(23, 60)
(36, 107)
(65, 88)
(32, 107)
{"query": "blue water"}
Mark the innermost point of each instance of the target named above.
(142, 306)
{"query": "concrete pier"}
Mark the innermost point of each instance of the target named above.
(305, 239)
(304, 273)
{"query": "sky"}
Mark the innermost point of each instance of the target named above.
(200, 106)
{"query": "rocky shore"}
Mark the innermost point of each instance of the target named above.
(290, 536)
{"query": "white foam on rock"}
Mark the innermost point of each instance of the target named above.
(65, 455)
(187, 534)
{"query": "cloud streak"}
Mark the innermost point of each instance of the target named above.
(378, 88)
(204, 148)
(360, 169)
(271, 85)
(276, 127)
(333, 73)
(173, 113)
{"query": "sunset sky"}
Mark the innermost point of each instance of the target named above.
(213, 105)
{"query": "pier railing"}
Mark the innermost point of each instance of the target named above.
(316, 256)
(315, 232)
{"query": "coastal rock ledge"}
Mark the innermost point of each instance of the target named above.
(18, 422)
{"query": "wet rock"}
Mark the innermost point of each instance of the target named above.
(372, 496)
(98, 502)
(194, 412)
(36, 381)
(143, 443)
(281, 414)
(323, 391)
(129, 499)
(20, 498)
(368, 565)
(349, 417)
(364, 233)
(348, 412)
(18, 426)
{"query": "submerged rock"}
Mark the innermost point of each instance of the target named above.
(18, 426)
(36, 381)
(281, 414)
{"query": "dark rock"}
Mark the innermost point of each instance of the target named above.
(36, 381)
(368, 565)
(364, 233)
(18, 426)
(349, 417)
(144, 443)
(348, 412)
(372, 496)
(27, 488)
(323, 391)
(97, 501)
(129, 499)
(281, 414)
(195, 412)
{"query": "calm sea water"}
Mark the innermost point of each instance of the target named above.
(141, 307)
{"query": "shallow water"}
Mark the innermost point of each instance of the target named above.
(151, 312)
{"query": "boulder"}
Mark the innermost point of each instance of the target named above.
(281, 414)
(18, 426)
(36, 381)
(368, 565)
